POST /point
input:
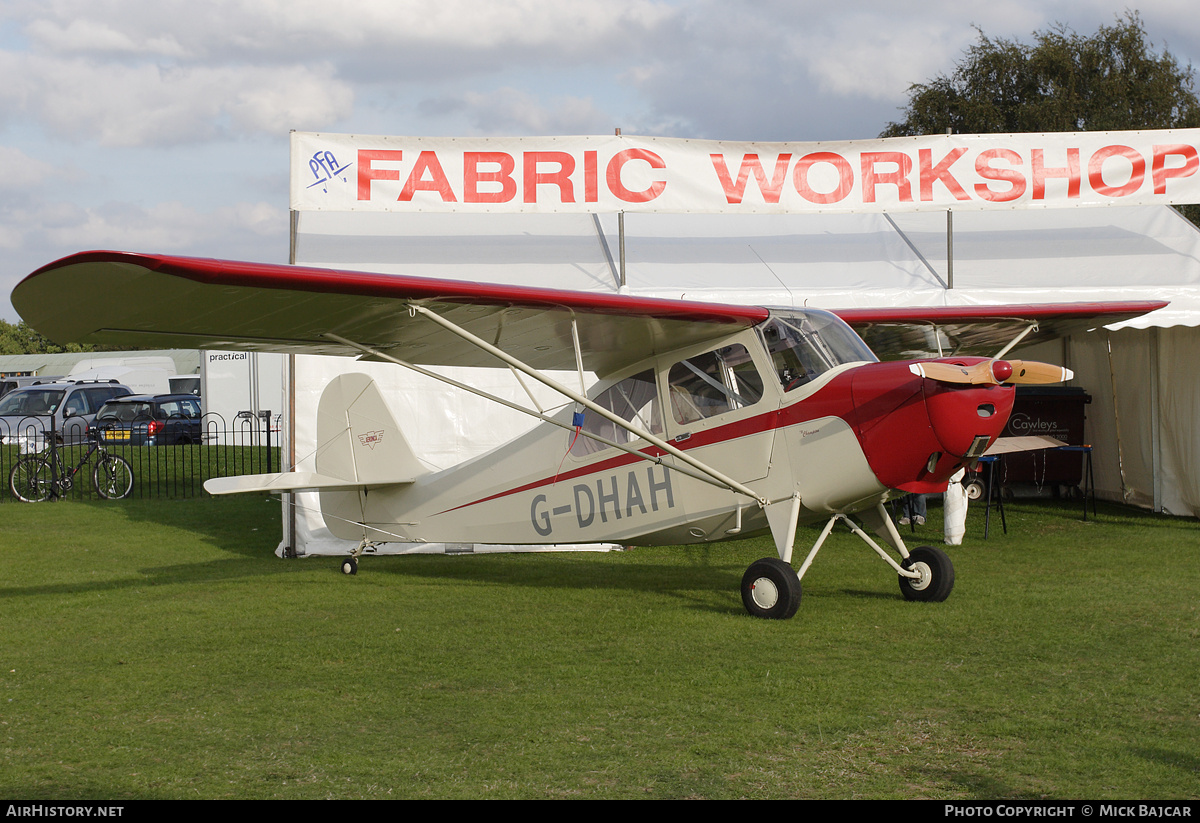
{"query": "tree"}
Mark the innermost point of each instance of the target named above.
(21, 339)
(1111, 81)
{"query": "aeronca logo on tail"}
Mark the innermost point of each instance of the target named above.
(615, 497)
(371, 439)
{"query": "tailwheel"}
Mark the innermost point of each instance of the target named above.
(350, 565)
(771, 589)
(935, 575)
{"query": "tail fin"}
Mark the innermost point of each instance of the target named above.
(358, 438)
(359, 444)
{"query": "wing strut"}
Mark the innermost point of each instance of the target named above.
(650, 458)
(721, 478)
(1028, 329)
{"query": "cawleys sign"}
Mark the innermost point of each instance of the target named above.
(614, 497)
(339, 172)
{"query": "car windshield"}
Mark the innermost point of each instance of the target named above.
(31, 401)
(125, 412)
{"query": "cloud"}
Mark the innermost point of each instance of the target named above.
(118, 104)
(513, 111)
(167, 227)
(83, 36)
(33, 235)
(438, 32)
(786, 70)
(170, 73)
(23, 173)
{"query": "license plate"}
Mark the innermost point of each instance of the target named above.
(116, 434)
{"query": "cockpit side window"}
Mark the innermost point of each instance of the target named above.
(635, 400)
(713, 383)
(805, 345)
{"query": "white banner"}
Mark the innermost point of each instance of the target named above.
(343, 172)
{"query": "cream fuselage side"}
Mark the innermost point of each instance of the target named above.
(534, 490)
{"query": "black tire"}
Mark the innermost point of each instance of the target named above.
(975, 489)
(350, 565)
(31, 479)
(113, 477)
(771, 589)
(937, 575)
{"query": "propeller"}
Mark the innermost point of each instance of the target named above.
(993, 372)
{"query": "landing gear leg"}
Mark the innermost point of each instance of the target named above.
(925, 574)
(771, 587)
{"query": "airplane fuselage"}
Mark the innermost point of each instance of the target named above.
(841, 433)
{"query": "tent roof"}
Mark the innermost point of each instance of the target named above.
(825, 260)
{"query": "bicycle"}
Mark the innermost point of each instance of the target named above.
(37, 477)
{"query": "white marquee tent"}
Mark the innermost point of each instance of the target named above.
(1144, 421)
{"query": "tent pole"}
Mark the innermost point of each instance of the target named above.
(621, 235)
(1155, 442)
(288, 450)
(949, 248)
(949, 236)
(1112, 382)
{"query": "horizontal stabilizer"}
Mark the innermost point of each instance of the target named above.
(360, 446)
(289, 482)
(1027, 443)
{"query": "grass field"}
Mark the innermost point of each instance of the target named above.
(160, 650)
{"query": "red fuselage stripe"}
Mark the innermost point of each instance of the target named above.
(774, 419)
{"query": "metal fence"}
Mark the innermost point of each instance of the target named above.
(176, 468)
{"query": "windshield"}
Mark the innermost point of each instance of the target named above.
(805, 343)
(125, 412)
(31, 402)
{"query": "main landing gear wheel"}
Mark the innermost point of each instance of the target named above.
(771, 589)
(936, 575)
(350, 565)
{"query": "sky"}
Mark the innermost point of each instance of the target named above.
(162, 126)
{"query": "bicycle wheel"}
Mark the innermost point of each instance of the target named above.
(31, 479)
(113, 477)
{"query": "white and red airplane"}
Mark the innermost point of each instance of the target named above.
(709, 422)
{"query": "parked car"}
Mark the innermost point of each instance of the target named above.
(66, 406)
(10, 382)
(150, 420)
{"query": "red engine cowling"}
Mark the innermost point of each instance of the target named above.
(915, 431)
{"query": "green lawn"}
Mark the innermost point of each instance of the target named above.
(158, 649)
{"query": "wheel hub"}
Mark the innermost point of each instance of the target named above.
(764, 592)
(924, 576)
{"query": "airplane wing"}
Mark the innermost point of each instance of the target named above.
(159, 301)
(906, 333)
